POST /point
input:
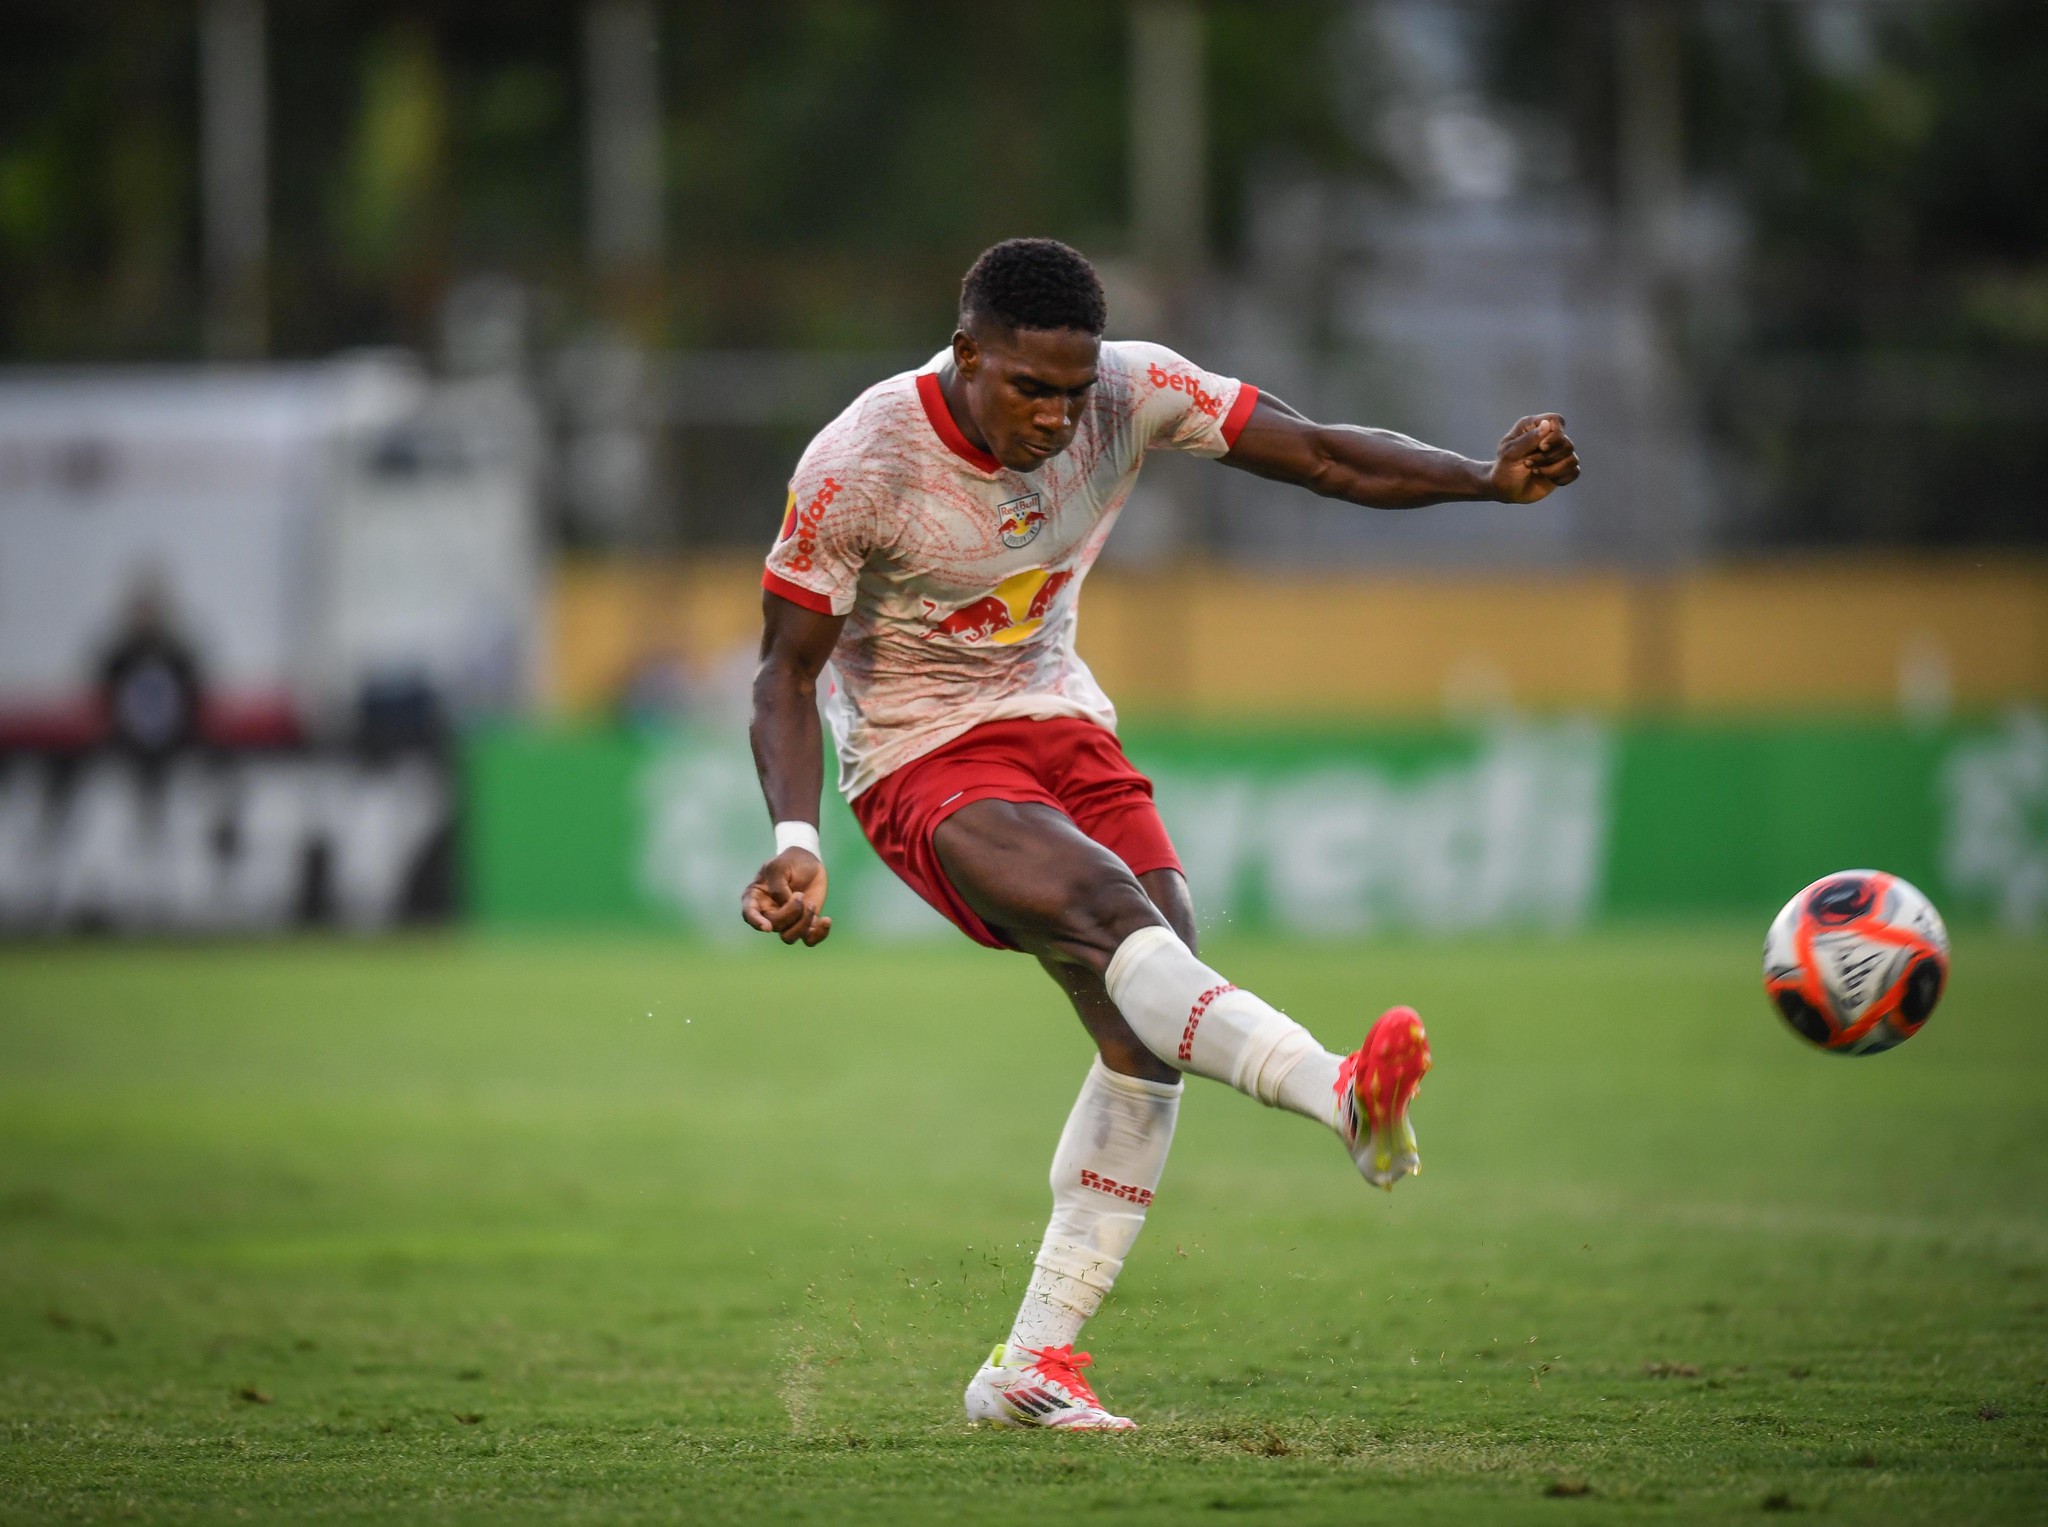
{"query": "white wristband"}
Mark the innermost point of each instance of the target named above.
(802, 835)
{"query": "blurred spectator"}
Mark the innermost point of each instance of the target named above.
(399, 711)
(151, 685)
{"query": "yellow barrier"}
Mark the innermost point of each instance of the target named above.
(1825, 638)
(1860, 636)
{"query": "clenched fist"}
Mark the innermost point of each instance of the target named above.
(1535, 459)
(787, 898)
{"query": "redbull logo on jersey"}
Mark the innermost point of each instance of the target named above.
(1180, 381)
(1019, 521)
(804, 526)
(1010, 612)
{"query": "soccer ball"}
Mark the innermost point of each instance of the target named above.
(1856, 962)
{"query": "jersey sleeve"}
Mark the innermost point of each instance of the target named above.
(818, 552)
(1181, 407)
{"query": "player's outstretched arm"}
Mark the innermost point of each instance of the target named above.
(1383, 470)
(787, 896)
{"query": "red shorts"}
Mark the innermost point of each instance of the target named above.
(1066, 763)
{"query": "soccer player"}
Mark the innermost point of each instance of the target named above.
(927, 573)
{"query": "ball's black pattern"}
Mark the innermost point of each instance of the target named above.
(1842, 900)
(1923, 989)
(1804, 1017)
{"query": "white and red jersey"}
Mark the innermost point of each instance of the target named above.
(958, 577)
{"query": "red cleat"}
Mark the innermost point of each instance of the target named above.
(1376, 1084)
(1039, 1386)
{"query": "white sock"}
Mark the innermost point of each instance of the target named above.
(1104, 1173)
(1191, 1017)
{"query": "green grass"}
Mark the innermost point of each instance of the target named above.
(475, 1231)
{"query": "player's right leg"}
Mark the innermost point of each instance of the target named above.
(1045, 887)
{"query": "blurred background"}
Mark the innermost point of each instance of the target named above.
(396, 400)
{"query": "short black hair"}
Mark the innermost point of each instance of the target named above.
(1034, 284)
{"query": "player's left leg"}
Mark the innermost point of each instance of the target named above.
(1104, 1174)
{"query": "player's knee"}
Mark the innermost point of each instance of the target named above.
(1096, 914)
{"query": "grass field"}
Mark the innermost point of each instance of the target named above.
(588, 1231)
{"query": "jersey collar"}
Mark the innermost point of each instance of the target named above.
(941, 417)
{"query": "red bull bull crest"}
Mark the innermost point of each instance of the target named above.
(1019, 521)
(1013, 610)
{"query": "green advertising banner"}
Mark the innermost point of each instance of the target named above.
(1333, 833)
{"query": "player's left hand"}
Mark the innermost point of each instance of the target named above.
(1535, 459)
(787, 898)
